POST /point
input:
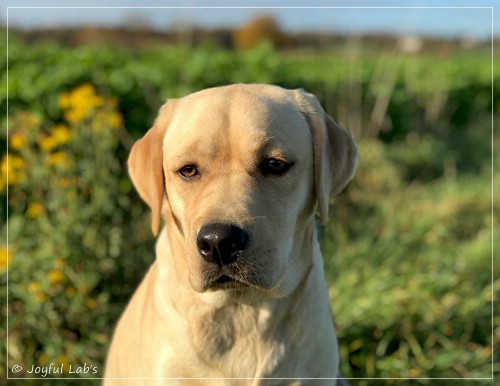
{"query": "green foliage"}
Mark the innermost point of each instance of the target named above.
(408, 250)
(424, 93)
(68, 231)
(411, 272)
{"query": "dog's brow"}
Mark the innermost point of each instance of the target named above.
(191, 154)
(272, 148)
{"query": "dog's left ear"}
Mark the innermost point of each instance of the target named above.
(145, 164)
(335, 153)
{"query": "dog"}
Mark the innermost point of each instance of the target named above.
(237, 294)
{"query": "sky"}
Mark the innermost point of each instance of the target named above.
(472, 19)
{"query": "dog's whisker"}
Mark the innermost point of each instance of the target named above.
(259, 217)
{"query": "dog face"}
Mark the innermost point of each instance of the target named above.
(238, 172)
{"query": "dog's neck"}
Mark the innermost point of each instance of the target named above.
(240, 338)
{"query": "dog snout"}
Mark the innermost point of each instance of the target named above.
(221, 244)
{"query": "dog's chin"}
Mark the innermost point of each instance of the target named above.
(223, 297)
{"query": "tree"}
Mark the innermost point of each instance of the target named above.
(260, 29)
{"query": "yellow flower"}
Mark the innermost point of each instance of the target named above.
(64, 101)
(61, 134)
(91, 303)
(35, 289)
(55, 277)
(35, 209)
(78, 95)
(42, 359)
(47, 143)
(115, 119)
(11, 170)
(59, 159)
(76, 115)
(17, 141)
(63, 360)
(25, 122)
(79, 103)
(5, 258)
(107, 119)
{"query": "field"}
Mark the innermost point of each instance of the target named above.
(408, 251)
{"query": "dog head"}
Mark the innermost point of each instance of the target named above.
(238, 173)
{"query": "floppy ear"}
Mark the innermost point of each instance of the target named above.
(335, 153)
(145, 164)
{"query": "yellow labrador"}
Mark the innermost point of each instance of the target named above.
(238, 288)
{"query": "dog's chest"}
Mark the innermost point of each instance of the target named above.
(241, 342)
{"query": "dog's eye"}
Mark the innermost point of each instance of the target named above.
(188, 171)
(274, 166)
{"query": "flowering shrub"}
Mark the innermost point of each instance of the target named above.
(67, 191)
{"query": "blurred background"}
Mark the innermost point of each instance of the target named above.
(409, 248)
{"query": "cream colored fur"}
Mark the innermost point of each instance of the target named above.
(275, 323)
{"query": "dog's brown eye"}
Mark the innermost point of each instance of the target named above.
(188, 171)
(274, 166)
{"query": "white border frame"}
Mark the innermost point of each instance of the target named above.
(8, 367)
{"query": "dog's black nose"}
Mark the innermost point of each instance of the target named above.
(221, 243)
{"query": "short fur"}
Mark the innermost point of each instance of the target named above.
(274, 321)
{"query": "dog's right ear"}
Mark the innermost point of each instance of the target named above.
(145, 164)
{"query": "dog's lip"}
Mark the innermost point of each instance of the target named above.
(226, 282)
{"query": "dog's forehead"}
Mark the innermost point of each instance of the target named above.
(238, 113)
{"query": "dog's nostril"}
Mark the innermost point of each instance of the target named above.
(204, 247)
(221, 243)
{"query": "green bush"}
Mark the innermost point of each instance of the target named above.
(410, 267)
(424, 93)
(69, 229)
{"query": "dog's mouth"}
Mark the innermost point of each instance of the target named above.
(226, 282)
